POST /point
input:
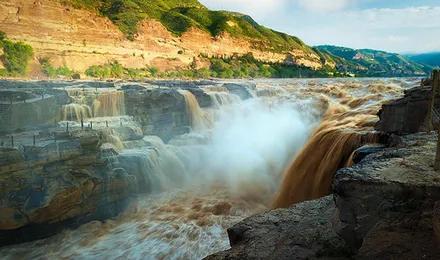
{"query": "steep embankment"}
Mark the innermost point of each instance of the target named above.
(79, 35)
(372, 63)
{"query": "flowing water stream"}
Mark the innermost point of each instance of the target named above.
(241, 157)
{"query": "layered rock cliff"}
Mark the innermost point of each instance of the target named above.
(79, 38)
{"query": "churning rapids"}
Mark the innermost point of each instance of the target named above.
(241, 157)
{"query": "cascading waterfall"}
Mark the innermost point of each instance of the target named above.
(223, 98)
(109, 103)
(156, 167)
(89, 103)
(328, 149)
(111, 137)
(75, 112)
(199, 119)
(343, 129)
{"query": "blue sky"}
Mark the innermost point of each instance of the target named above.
(404, 26)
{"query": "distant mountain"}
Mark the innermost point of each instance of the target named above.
(431, 59)
(372, 63)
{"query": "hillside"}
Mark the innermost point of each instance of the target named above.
(165, 35)
(372, 63)
(168, 38)
(180, 16)
(431, 59)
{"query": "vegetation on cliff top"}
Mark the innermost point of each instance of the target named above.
(178, 16)
(15, 57)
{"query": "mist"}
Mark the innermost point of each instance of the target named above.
(247, 147)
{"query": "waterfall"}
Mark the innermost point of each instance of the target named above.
(199, 119)
(89, 103)
(109, 103)
(111, 137)
(329, 148)
(156, 167)
(223, 98)
(75, 112)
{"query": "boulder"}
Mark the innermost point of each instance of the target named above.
(303, 231)
(408, 114)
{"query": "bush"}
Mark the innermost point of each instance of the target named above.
(109, 70)
(16, 56)
(114, 69)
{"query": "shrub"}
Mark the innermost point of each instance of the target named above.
(16, 56)
(109, 70)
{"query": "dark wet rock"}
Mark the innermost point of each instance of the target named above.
(203, 99)
(159, 111)
(386, 202)
(360, 153)
(408, 114)
(303, 231)
(243, 90)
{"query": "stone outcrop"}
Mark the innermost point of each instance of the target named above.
(386, 207)
(303, 231)
(408, 114)
(386, 202)
(55, 184)
(160, 112)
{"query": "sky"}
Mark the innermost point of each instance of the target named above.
(402, 26)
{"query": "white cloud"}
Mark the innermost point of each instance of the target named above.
(324, 5)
